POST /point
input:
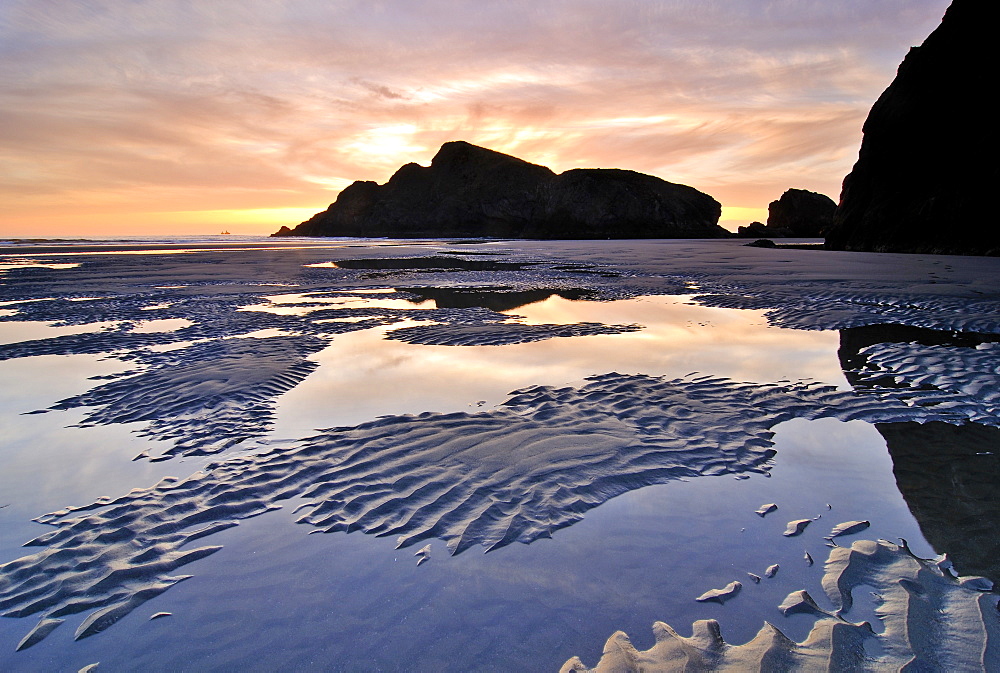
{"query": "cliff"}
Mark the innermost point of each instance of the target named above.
(917, 185)
(472, 191)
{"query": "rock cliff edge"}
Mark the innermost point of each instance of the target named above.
(927, 164)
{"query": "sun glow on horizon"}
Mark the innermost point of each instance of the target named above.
(232, 126)
(742, 215)
(249, 221)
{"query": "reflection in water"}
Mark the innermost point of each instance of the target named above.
(946, 473)
(494, 298)
(302, 304)
(14, 263)
(164, 325)
(856, 339)
(363, 375)
(17, 332)
(263, 601)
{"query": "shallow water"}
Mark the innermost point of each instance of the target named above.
(16, 332)
(275, 597)
(363, 375)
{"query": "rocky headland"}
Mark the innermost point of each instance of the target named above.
(917, 186)
(473, 191)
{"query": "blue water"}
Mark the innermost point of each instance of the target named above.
(276, 598)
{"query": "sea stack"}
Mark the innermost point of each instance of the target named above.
(798, 213)
(471, 191)
(917, 185)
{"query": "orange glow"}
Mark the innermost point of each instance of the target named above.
(146, 120)
(739, 216)
(249, 222)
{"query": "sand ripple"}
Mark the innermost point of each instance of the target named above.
(932, 621)
(969, 376)
(802, 307)
(208, 391)
(512, 474)
(215, 395)
(501, 334)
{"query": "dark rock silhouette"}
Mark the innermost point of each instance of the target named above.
(798, 213)
(917, 185)
(472, 191)
(948, 474)
(801, 213)
(753, 230)
(493, 298)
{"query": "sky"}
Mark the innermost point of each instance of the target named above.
(153, 117)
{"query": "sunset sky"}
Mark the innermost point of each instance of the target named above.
(186, 117)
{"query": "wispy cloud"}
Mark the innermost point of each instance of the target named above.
(270, 105)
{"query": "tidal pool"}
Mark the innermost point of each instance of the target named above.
(609, 446)
(363, 375)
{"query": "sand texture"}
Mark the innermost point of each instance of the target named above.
(930, 620)
(970, 375)
(214, 390)
(217, 364)
(499, 334)
(212, 396)
(515, 474)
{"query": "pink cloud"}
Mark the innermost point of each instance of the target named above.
(203, 104)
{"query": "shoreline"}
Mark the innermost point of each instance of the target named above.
(222, 364)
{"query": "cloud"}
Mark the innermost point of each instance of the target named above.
(284, 102)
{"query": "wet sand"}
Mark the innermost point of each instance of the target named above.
(413, 431)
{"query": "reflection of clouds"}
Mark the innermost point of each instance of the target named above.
(369, 375)
(272, 101)
(16, 332)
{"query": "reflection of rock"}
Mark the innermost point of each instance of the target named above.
(514, 473)
(948, 475)
(473, 191)
(917, 186)
(855, 339)
(798, 213)
(493, 298)
(959, 384)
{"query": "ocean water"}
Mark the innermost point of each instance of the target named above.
(376, 415)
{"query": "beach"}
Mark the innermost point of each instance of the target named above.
(242, 453)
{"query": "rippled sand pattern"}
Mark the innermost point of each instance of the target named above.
(499, 334)
(215, 390)
(513, 474)
(932, 621)
(249, 325)
(970, 375)
(846, 307)
(212, 396)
